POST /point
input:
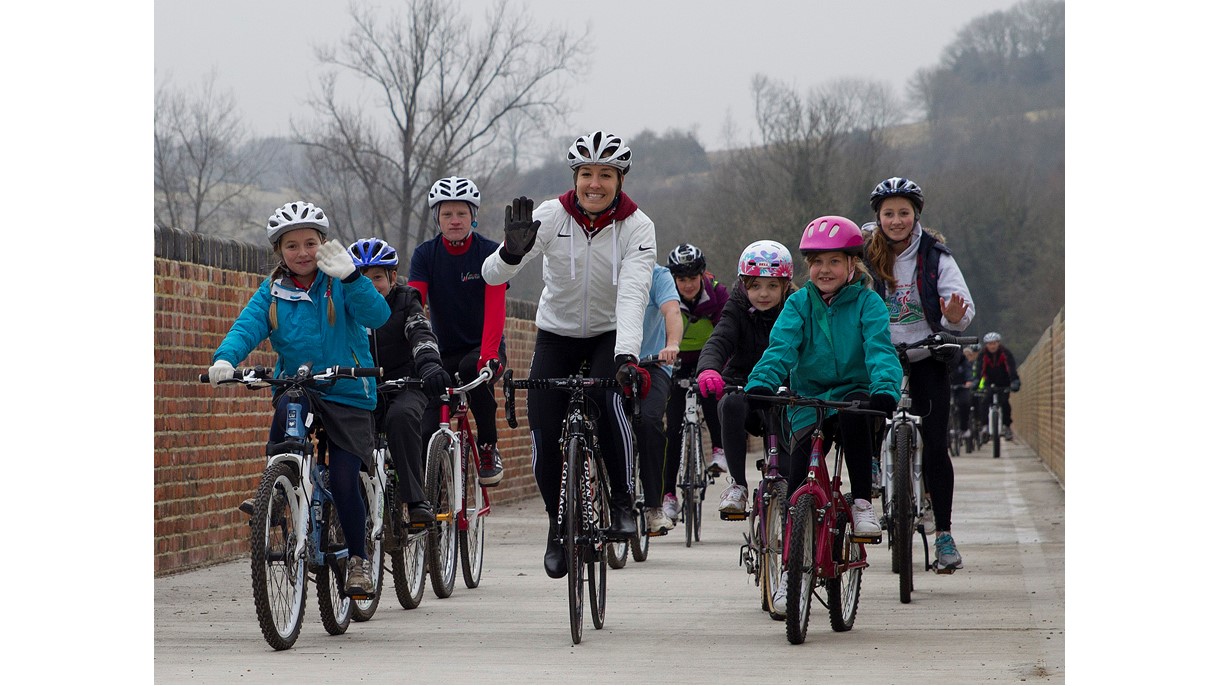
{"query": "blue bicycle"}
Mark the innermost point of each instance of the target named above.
(295, 526)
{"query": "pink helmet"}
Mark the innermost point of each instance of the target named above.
(765, 258)
(832, 232)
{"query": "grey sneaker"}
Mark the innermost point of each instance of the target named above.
(779, 594)
(656, 520)
(491, 467)
(948, 559)
(358, 582)
(733, 500)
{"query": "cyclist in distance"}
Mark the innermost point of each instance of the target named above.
(921, 283)
(962, 383)
(403, 346)
(702, 300)
(832, 341)
(598, 252)
(662, 332)
(764, 282)
(315, 307)
(467, 313)
(998, 368)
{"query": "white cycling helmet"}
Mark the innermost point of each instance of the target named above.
(296, 215)
(454, 188)
(991, 337)
(600, 147)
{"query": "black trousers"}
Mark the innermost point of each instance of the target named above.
(400, 417)
(930, 397)
(562, 356)
(652, 438)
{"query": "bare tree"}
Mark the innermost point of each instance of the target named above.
(204, 164)
(446, 96)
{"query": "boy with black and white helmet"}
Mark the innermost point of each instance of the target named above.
(467, 313)
(599, 249)
(998, 374)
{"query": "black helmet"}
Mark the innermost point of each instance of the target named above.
(686, 260)
(897, 186)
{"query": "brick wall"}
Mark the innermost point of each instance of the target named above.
(208, 443)
(1038, 409)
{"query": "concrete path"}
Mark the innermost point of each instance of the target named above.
(686, 615)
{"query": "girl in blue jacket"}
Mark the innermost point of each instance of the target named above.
(832, 341)
(315, 307)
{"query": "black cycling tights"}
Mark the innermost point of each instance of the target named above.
(558, 356)
(930, 397)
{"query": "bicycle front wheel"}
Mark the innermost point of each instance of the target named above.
(442, 534)
(903, 510)
(363, 610)
(995, 432)
(802, 563)
(692, 488)
(333, 603)
(771, 544)
(471, 539)
(277, 575)
(408, 561)
(843, 589)
(640, 541)
(574, 494)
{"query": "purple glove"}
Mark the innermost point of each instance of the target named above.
(711, 383)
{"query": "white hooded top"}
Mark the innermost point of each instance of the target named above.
(907, 321)
(590, 285)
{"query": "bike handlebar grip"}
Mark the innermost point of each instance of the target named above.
(510, 399)
(361, 371)
(950, 339)
(203, 378)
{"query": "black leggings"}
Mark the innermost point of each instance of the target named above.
(652, 437)
(930, 397)
(558, 356)
(736, 421)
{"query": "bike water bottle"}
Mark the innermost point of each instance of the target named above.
(294, 426)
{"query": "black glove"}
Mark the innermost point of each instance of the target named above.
(520, 228)
(435, 379)
(630, 374)
(759, 391)
(883, 402)
(1015, 385)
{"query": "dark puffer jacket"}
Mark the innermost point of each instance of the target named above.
(406, 341)
(739, 339)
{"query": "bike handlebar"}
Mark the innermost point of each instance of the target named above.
(791, 400)
(570, 383)
(249, 375)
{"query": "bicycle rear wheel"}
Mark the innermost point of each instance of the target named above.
(278, 578)
(640, 541)
(442, 534)
(598, 548)
(843, 590)
(574, 490)
(903, 511)
(471, 539)
(616, 555)
(802, 563)
(331, 578)
(771, 546)
(408, 561)
(363, 610)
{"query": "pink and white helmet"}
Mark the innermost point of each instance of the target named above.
(832, 232)
(765, 258)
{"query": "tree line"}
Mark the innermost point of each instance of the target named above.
(982, 132)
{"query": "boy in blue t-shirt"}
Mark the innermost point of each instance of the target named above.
(662, 329)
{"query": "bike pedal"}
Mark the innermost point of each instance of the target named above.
(653, 534)
(866, 538)
(733, 516)
(943, 570)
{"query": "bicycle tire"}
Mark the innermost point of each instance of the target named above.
(802, 565)
(408, 554)
(640, 541)
(572, 525)
(279, 582)
(470, 539)
(843, 589)
(599, 559)
(903, 510)
(994, 424)
(771, 546)
(363, 610)
(692, 451)
(334, 606)
(616, 555)
(442, 534)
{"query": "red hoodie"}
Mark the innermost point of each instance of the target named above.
(622, 208)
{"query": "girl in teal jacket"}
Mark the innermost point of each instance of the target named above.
(315, 308)
(832, 341)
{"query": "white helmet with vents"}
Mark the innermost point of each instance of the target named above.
(454, 188)
(296, 215)
(600, 147)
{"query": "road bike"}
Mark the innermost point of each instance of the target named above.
(904, 504)
(693, 473)
(584, 492)
(820, 546)
(451, 486)
(294, 529)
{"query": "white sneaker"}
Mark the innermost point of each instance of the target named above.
(733, 500)
(669, 505)
(864, 518)
(779, 594)
(719, 463)
(656, 521)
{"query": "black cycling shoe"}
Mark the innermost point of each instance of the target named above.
(622, 523)
(420, 513)
(555, 562)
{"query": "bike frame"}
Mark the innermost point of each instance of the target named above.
(828, 501)
(456, 439)
(903, 415)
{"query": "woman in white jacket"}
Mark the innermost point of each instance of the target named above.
(598, 250)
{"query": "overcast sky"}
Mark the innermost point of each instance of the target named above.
(656, 64)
